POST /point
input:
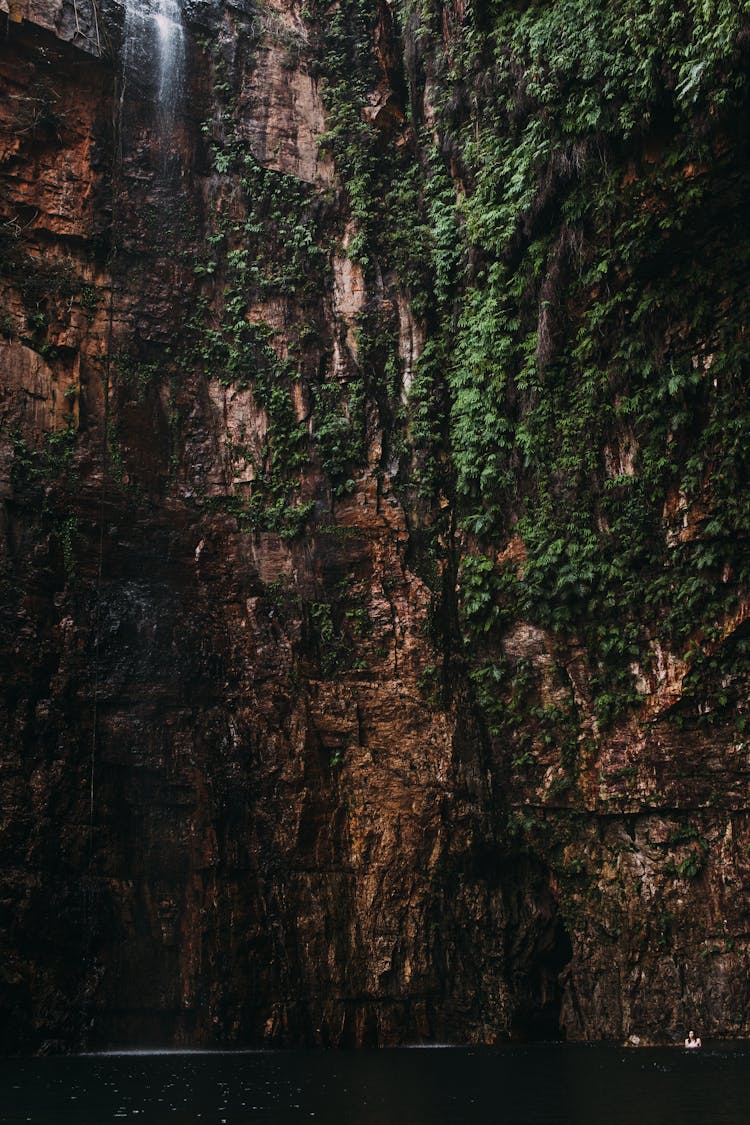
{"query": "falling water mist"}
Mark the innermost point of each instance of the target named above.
(154, 52)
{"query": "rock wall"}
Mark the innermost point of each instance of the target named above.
(266, 775)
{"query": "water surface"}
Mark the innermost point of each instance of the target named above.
(529, 1085)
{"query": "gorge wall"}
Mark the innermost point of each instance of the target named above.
(374, 582)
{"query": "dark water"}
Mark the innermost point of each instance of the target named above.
(534, 1085)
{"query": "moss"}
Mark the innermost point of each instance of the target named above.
(45, 483)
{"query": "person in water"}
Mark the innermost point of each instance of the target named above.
(691, 1041)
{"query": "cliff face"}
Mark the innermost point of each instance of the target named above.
(373, 580)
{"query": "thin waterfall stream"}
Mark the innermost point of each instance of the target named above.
(152, 74)
(154, 50)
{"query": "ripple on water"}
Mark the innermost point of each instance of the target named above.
(529, 1085)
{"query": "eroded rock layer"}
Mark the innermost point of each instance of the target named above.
(372, 540)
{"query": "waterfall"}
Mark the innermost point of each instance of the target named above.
(154, 50)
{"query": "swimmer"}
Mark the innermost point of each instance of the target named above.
(691, 1041)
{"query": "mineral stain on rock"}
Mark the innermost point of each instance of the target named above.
(373, 604)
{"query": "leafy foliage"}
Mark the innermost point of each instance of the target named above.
(599, 360)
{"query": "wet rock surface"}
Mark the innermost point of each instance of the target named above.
(246, 793)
